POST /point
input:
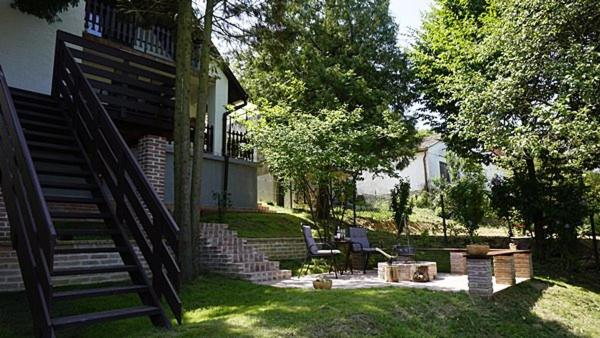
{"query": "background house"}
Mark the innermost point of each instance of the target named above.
(428, 165)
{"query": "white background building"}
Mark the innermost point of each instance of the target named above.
(429, 164)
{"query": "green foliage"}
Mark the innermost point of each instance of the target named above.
(330, 86)
(515, 82)
(592, 181)
(422, 200)
(504, 201)
(47, 9)
(255, 224)
(400, 204)
(466, 198)
(514, 76)
(562, 213)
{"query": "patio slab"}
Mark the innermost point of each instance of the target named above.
(443, 282)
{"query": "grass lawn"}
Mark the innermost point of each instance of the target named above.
(284, 222)
(255, 224)
(218, 307)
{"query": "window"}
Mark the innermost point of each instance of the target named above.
(444, 174)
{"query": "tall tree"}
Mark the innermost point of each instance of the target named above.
(312, 58)
(201, 112)
(181, 135)
(512, 81)
(224, 14)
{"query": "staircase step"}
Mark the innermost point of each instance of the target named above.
(38, 107)
(56, 158)
(73, 251)
(222, 251)
(97, 317)
(86, 232)
(78, 200)
(93, 270)
(262, 276)
(44, 125)
(68, 185)
(110, 291)
(35, 115)
(26, 95)
(54, 147)
(54, 171)
(35, 134)
(79, 215)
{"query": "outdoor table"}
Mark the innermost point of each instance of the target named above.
(344, 244)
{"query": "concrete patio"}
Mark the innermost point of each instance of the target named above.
(443, 282)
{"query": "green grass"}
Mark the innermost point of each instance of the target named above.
(255, 224)
(422, 221)
(284, 222)
(218, 307)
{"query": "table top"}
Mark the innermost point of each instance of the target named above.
(410, 263)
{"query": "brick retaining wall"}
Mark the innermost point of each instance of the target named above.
(279, 248)
(10, 274)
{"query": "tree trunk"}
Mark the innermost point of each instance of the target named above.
(181, 135)
(323, 202)
(538, 223)
(201, 114)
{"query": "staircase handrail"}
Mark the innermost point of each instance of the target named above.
(32, 230)
(138, 206)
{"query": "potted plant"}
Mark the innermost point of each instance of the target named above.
(477, 249)
(322, 283)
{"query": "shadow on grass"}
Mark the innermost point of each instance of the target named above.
(219, 307)
(586, 277)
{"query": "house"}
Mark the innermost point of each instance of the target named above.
(428, 165)
(86, 119)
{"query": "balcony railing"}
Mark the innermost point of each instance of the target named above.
(237, 141)
(104, 20)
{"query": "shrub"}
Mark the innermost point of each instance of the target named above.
(400, 204)
(467, 200)
(422, 200)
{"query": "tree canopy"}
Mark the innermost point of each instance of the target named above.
(331, 86)
(516, 82)
(519, 77)
(48, 10)
(319, 56)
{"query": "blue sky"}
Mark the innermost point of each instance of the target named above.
(408, 14)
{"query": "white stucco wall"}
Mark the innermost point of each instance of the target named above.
(219, 103)
(435, 154)
(492, 171)
(382, 184)
(27, 45)
(415, 173)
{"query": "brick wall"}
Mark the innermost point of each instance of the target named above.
(152, 156)
(279, 248)
(4, 226)
(523, 265)
(504, 269)
(458, 263)
(10, 274)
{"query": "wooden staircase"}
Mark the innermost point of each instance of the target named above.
(68, 185)
(67, 175)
